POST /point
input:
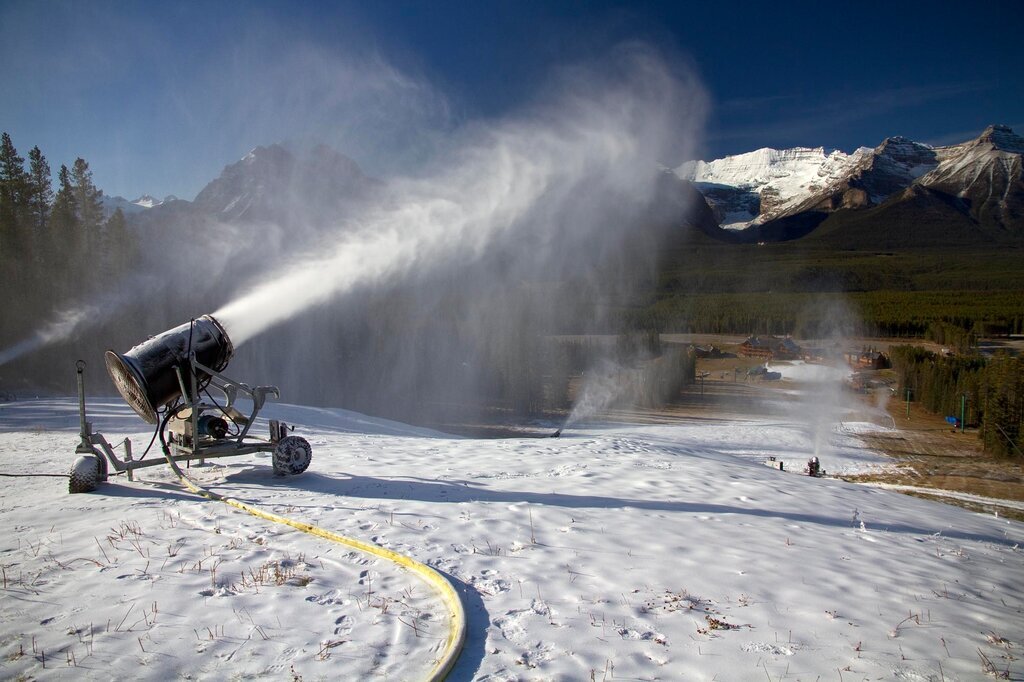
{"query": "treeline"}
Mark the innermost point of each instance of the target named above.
(956, 337)
(56, 243)
(991, 392)
(907, 314)
(547, 374)
(648, 373)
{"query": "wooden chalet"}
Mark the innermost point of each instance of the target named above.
(867, 359)
(771, 347)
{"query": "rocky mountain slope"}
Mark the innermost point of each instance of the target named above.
(753, 188)
(269, 183)
(303, 192)
(773, 195)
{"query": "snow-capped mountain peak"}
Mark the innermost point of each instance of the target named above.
(147, 201)
(1002, 138)
(754, 187)
(268, 182)
(983, 175)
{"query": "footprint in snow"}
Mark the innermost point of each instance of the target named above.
(490, 586)
(511, 628)
(343, 625)
(328, 598)
(636, 635)
(368, 577)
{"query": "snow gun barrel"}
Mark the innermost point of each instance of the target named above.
(147, 375)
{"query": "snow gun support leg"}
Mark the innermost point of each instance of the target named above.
(90, 467)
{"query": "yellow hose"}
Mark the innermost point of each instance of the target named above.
(456, 614)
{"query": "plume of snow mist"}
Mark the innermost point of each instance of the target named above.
(563, 175)
(75, 318)
(825, 402)
(601, 389)
(61, 327)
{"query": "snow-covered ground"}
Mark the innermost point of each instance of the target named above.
(648, 552)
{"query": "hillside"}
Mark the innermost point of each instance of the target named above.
(665, 551)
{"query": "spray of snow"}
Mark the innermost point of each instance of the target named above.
(521, 184)
(61, 327)
(600, 390)
(72, 320)
(439, 288)
(825, 402)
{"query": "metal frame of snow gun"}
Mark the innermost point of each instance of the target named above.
(193, 437)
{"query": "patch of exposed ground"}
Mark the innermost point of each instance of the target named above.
(933, 455)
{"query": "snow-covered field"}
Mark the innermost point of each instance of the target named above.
(626, 553)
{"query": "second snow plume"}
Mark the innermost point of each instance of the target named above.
(61, 327)
(562, 175)
(601, 388)
(69, 321)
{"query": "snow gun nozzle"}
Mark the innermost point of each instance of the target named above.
(145, 375)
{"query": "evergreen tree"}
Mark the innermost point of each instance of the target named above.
(88, 202)
(120, 244)
(40, 190)
(64, 239)
(65, 207)
(13, 189)
(1003, 416)
(89, 208)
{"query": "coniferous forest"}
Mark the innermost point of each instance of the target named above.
(57, 246)
(989, 394)
(59, 253)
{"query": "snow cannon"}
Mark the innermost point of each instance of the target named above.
(145, 375)
(167, 380)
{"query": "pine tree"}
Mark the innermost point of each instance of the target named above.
(120, 244)
(90, 237)
(63, 251)
(88, 202)
(1003, 405)
(40, 190)
(13, 187)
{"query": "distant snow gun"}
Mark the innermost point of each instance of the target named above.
(167, 381)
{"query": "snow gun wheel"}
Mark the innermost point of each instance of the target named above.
(86, 473)
(292, 456)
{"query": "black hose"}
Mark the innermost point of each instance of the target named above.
(171, 411)
(151, 441)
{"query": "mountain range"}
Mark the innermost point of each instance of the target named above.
(111, 204)
(966, 192)
(898, 193)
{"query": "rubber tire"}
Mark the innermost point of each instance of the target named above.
(85, 474)
(292, 456)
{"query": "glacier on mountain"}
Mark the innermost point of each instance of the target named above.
(752, 188)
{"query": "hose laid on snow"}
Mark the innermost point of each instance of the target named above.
(456, 614)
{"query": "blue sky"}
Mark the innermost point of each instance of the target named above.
(159, 97)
